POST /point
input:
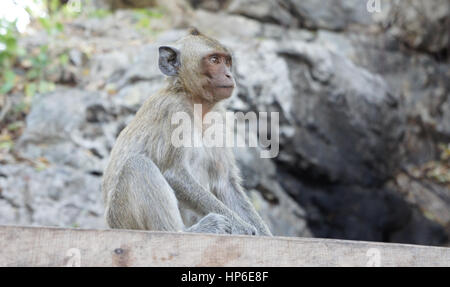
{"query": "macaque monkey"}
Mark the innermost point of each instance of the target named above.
(149, 183)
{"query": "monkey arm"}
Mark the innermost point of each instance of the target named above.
(189, 190)
(238, 201)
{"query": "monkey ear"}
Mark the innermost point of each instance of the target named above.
(169, 60)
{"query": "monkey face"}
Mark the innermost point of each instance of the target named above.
(216, 67)
(202, 65)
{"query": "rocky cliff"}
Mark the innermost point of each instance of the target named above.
(363, 100)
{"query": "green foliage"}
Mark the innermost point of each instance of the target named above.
(38, 64)
(51, 25)
(8, 81)
(144, 16)
(99, 13)
(15, 126)
(8, 39)
(24, 72)
(30, 89)
(12, 56)
(52, 5)
(6, 142)
(149, 13)
(27, 72)
(445, 152)
(436, 170)
(9, 51)
(64, 59)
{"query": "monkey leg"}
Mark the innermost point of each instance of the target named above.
(144, 200)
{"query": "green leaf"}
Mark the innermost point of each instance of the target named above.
(144, 22)
(99, 13)
(32, 73)
(40, 167)
(64, 59)
(6, 144)
(15, 126)
(59, 27)
(30, 90)
(21, 52)
(54, 5)
(45, 22)
(20, 107)
(45, 86)
(9, 79)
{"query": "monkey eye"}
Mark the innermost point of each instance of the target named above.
(214, 59)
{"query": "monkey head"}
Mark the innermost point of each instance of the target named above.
(200, 65)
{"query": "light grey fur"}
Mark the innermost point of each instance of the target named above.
(150, 184)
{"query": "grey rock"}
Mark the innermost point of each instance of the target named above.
(418, 82)
(348, 123)
(419, 24)
(362, 213)
(283, 215)
(70, 127)
(77, 57)
(328, 14)
(144, 67)
(213, 23)
(270, 11)
(345, 120)
(55, 196)
(359, 95)
(432, 199)
(215, 5)
(244, 28)
(107, 67)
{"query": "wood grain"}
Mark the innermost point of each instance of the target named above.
(46, 246)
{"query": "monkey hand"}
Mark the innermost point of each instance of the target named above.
(241, 227)
(212, 223)
(218, 223)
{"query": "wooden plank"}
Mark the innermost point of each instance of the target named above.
(44, 246)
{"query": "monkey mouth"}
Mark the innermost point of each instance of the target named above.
(225, 86)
